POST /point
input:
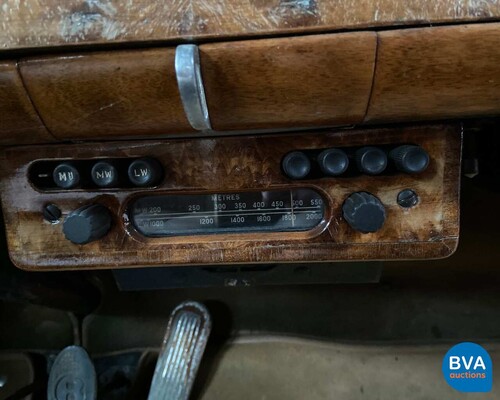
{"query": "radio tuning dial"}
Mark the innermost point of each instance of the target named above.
(87, 224)
(364, 212)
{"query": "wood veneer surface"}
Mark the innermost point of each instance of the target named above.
(49, 23)
(107, 94)
(235, 164)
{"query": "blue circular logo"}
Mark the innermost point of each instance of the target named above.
(467, 367)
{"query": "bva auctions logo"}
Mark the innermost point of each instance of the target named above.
(467, 367)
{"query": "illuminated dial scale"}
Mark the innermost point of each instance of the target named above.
(204, 214)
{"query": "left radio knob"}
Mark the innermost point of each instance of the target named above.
(88, 223)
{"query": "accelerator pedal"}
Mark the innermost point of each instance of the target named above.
(182, 349)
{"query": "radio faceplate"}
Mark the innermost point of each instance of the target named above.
(292, 210)
(393, 215)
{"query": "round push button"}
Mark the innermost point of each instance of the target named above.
(333, 162)
(104, 174)
(144, 172)
(66, 176)
(410, 159)
(296, 165)
(371, 160)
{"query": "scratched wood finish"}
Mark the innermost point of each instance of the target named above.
(437, 73)
(19, 122)
(319, 80)
(228, 164)
(108, 94)
(47, 23)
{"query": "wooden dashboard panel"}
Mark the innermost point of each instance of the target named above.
(238, 164)
(108, 94)
(19, 121)
(46, 23)
(436, 73)
(298, 82)
(320, 80)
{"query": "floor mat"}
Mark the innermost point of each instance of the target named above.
(268, 368)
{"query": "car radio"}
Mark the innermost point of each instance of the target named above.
(332, 195)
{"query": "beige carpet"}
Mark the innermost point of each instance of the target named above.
(283, 368)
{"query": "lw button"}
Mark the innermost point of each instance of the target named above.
(144, 172)
(104, 174)
(66, 176)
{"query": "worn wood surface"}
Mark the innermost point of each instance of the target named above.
(437, 73)
(107, 94)
(19, 122)
(46, 23)
(280, 83)
(318, 80)
(228, 164)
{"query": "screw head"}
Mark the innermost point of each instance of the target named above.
(407, 198)
(51, 213)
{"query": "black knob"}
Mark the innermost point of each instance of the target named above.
(364, 212)
(410, 159)
(296, 165)
(145, 172)
(87, 224)
(371, 160)
(66, 176)
(333, 162)
(104, 174)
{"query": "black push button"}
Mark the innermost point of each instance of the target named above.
(333, 162)
(66, 176)
(104, 174)
(371, 160)
(296, 165)
(410, 159)
(144, 172)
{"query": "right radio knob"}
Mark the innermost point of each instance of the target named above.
(410, 159)
(364, 212)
